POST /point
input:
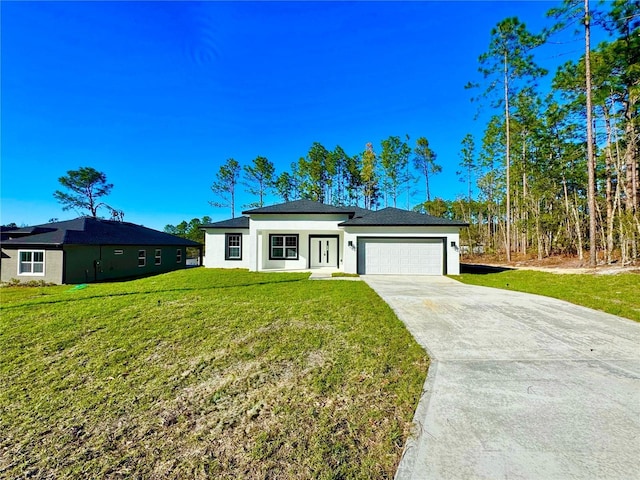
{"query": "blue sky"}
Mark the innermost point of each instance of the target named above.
(159, 94)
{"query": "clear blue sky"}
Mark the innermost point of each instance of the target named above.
(159, 94)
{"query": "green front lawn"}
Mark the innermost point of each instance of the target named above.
(616, 294)
(204, 374)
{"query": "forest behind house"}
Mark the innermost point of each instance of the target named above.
(556, 171)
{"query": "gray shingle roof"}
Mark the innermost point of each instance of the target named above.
(302, 206)
(396, 217)
(238, 222)
(94, 231)
(390, 217)
(18, 230)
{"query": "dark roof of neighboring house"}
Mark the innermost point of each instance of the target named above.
(24, 230)
(15, 232)
(302, 207)
(396, 217)
(92, 231)
(238, 222)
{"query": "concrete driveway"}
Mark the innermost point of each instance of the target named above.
(520, 386)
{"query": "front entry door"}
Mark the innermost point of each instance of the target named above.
(324, 252)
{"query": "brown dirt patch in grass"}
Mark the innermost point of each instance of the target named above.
(554, 264)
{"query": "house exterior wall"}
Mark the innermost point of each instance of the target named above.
(215, 241)
(452, 234)
(261, 226)
(302, 262)
(256, 243)
(95, 263)
(53, 266)
(79, 263)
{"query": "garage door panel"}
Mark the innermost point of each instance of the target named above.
(400, 256)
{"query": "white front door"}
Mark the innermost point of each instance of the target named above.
(324, 252)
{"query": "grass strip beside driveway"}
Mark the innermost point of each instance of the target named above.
(205, 374)
(615, 294)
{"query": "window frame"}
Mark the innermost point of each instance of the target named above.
(142, 257)
(32, 262)
(158, 257)
(284, 246)
(228, 247)
(179, 255)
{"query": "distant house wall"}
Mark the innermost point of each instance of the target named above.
(53, 265)
(79, 263)
(88, 263)
(93, 263)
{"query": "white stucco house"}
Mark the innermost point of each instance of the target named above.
(307, 235)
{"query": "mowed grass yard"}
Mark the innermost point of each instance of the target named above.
(205, 374)
(616, 294)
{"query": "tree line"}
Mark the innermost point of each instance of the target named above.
(369, 179)
(556, 170)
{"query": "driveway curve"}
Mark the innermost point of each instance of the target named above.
(520, 386)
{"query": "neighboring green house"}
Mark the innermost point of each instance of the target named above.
(89, 249)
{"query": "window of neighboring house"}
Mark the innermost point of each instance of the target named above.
(31, 262)
(158, 256)
(283, 247)
(233, 246)
(142, 258)
(179, 255)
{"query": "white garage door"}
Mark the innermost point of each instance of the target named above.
(400, 256)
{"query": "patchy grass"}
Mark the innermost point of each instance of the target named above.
(204, 374)
(616, 294)
(343, 274)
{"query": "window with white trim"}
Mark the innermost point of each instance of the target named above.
(158, 256)
(31, 262)
(283, 247)
(142, 258)
(179, 255)
(233, 246)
